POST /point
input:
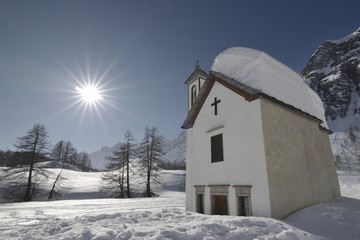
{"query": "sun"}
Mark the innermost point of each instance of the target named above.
(91, 91)
(89, 94)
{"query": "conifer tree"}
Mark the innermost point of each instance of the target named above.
(113, 180)
(150, 153)
(117, 179)
(130, 153)
(25, 173)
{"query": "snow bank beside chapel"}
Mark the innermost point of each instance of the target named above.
(258, 70)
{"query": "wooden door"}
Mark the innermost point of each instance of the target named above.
(220, 205)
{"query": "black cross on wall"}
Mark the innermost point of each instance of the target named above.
(215, 103)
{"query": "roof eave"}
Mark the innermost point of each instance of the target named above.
(249, 94)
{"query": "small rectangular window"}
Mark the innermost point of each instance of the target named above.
(217, 154)
(200, 203)
(243, 196)
(244, 206)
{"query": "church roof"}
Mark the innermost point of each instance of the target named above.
(251, 74)
(198, 72)
(263, 73)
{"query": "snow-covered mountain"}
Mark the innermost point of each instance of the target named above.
(333, 72)
(174, 150)
(98, 158)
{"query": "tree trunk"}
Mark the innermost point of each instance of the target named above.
(54, 185)
(28, 193)
(148, 189)
(128, 170)
(27, 197)
(122, 183)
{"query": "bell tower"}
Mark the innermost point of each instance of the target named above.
(195, 81)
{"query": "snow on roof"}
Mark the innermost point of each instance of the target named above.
(258, 70)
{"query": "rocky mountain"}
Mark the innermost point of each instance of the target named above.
(333, 72)
(174, 150)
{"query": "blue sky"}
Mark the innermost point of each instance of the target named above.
(140, 52)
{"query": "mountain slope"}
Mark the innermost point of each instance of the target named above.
(333, 72)
(98, 158)
(175, 149)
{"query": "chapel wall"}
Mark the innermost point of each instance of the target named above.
(300, 166)
(244, 159)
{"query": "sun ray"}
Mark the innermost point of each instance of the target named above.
(92, 94)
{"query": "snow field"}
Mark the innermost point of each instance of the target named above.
(349, 184)
(158, 218)
(164, 217)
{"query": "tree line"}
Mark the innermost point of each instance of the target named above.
(25, 169)
(62, 152)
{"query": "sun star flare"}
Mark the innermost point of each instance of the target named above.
(90, 94)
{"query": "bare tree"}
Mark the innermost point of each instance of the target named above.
(58, 184)
(58, 151)
(25, 173)
(5, 158)
(113, 180)
(129, 154)
(65, 153)
(83, 162)
(150, 153)
(70, 154)
(118, 167)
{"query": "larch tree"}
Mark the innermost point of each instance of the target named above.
(129, 154)
(25, 173)
(113, 180)
(119, 167)
(150, 153)
(57, 154)
(57, 151)
(84, 162)
(70, 154)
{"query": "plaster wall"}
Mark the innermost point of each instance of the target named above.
(244, 155)
(299, 161)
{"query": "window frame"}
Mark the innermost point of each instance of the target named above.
(243, 191)
(200, 193)
(193, 94)
(217, 148)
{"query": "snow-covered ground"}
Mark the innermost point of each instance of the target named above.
(164, 217)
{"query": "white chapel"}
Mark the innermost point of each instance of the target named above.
(257, 139)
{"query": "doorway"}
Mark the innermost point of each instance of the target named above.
(219, 205)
